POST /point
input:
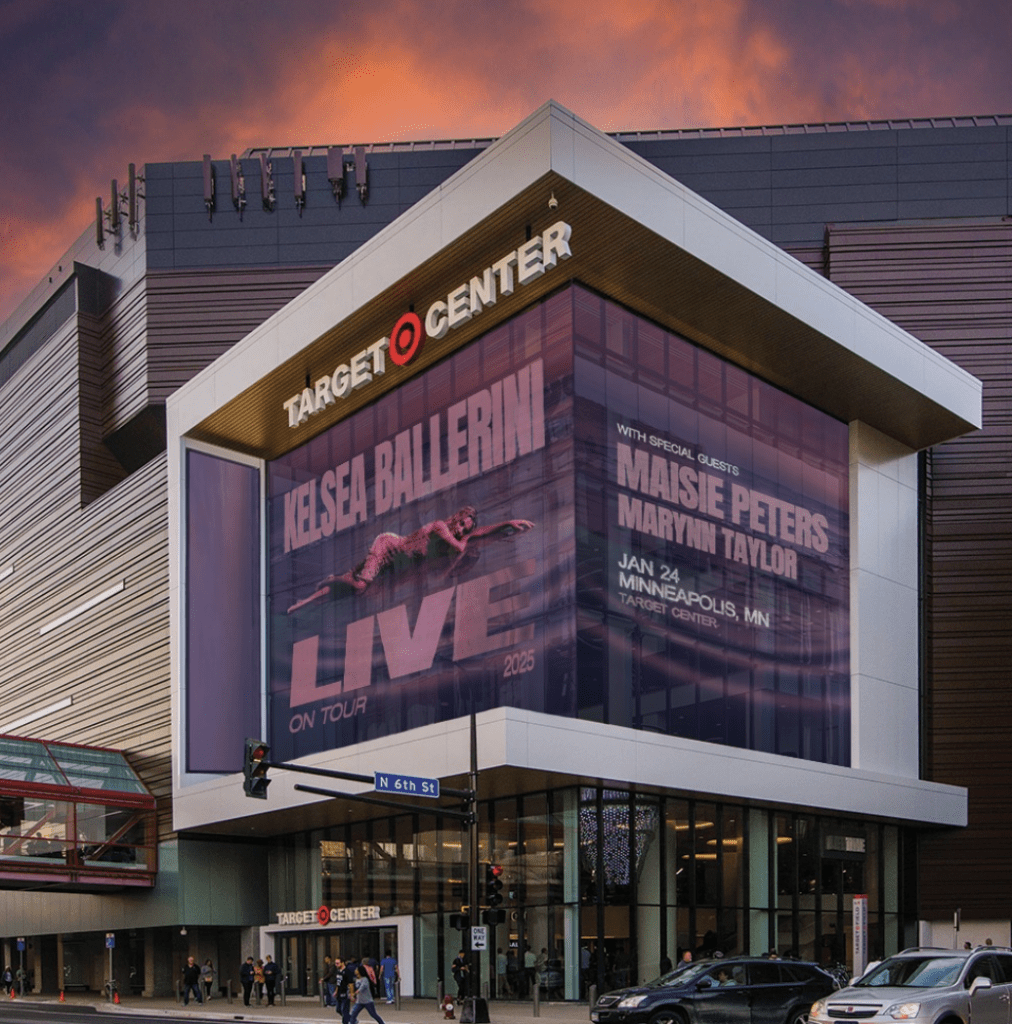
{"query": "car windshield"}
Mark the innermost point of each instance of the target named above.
(914, 972)
(682, 974)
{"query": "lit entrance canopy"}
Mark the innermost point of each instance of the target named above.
(639, 237)
(73, 818)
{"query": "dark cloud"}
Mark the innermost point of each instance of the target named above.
(899, 58)
(91, 85)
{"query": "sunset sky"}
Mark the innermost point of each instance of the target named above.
(89, 86)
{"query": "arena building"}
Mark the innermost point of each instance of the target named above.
(346, 449)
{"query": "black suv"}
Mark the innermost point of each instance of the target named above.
(733, 990)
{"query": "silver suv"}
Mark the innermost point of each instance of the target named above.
(926, 986)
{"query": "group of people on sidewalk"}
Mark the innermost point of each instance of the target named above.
(517, 975)
(348, 985)
(9, 977)
(197, 979)
(256, 976)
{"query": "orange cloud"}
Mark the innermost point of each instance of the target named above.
(394, 69)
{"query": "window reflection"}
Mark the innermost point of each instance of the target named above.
(78, 836)
(648, 877)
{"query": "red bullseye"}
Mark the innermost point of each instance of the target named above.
(406, 339)
(323, 915)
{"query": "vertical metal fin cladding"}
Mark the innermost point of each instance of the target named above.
(208, 186)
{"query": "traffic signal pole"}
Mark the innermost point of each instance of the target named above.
(475, 914)
(255, 782)
(478, 1004)
(256, 763)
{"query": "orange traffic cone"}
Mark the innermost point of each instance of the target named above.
(115, 998)
(12, 993)
(62, 1000)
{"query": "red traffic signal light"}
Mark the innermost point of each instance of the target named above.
(493, 885)
(255, 765)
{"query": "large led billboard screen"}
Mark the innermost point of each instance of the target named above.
(222, 614)
(422, 550)
(578, 513)
(713, 555)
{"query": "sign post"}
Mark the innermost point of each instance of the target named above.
(110, 944)
(21, 967)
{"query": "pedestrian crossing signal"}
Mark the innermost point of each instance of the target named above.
(255, 765)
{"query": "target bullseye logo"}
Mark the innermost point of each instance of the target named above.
(323, 915)
(406, 339)
(517, 268)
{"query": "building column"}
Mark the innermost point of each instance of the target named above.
(884, 594)
(758, 881)
(568, 807)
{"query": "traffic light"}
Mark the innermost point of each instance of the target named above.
(493, 917)
(460, 921)
(255, 765)
(493, 885)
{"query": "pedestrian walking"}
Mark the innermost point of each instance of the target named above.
(459, 971)
(363, 998)
(191, 981)
(389, 973)
(346, 989)
(207, 978)
(329, 982)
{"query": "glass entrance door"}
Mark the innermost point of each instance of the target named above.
(301, 953)
(291, 950)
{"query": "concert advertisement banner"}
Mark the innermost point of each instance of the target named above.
(713, 560)
(422, 551)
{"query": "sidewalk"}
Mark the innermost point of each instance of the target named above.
(412, 1011)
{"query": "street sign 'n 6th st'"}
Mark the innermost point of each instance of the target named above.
(406, 784)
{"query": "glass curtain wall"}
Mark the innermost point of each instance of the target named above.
(607, 886)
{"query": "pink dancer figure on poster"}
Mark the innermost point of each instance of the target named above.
(433, 540)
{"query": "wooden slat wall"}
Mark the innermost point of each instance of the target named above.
(73, 524)
(99, 468)
(113, 660)
(125, 358)
(195, 316)
(166, 327)
(951, 286)
(813, 257)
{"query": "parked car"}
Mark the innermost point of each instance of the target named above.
(926, 986)
(733, 990)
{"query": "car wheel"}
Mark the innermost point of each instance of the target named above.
(798, 1017)
(667, 1016)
